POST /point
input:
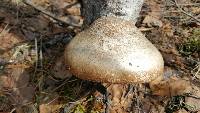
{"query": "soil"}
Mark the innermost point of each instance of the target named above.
(34, 78)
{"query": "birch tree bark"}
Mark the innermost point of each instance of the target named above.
(126, 9)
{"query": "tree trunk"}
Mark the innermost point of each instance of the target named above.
(126, 9)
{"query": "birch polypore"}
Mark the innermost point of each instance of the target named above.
(112, 49)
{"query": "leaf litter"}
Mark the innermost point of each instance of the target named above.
(33, 77)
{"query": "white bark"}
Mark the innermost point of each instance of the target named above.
(126, 9)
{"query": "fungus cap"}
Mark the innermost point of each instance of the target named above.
(113, 50)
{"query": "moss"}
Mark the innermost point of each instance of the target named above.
(192, 45)
(79, 109)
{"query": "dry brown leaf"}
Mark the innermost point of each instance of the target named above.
(119, 103)
(73, 11)
(151, 21)
(196, 10)
(50, 108)
(6, 82)
(167, 29)
(171, 87)
(156, 8)
(192, 103)
(17, 77)
(16, 82)
(8, 40)
(22, 96)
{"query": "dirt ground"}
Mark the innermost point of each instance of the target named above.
(34, 78)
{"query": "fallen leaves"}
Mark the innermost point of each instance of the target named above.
(64, 11)
(50, 108)
(171, 87)
(167, 29)
(15, 85)
(29, 24)
(7, 39)
(153, 18)
(193, 104)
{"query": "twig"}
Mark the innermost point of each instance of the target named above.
(193, 96)
(189, 4)
(145, 29)
(173, 17)
(65, 82)
(73, 105)
(4, 31)
(13, 110)
(129, 90)
(198, 70)
(186, 13)
(36, 56)
(40, 84)
(27, 2)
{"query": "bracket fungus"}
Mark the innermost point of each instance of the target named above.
(112, 49)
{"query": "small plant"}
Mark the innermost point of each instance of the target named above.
(79, 109)
(192, 45)
(176, 103)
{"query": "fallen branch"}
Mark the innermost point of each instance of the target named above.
(40, 9)
(197, 73)
(189, 4)
(184, 12)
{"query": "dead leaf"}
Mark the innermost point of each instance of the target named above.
(22, 96)
(6, 82)
(16, 81)
(20, 77)
(51, 107)
(196, 10)
(171, 87)
(152, 21)
(119, 102)
(156, 8)
(167, 29)
(74, 10)
(192, 104)
(8, 39)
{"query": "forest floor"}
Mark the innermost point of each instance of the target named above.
(34, 78)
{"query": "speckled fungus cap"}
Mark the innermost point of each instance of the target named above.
(113, 50)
